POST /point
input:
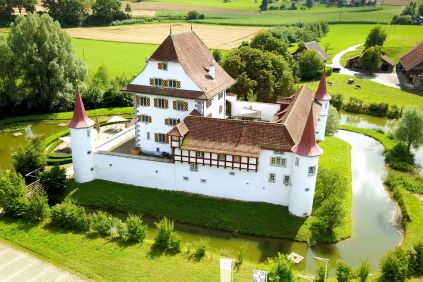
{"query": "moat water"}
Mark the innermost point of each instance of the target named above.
(374, 232)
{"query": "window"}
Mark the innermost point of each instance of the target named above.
(193, 167)
(88, 132)
(185, 178)
(286, 180)
(221, 157)
(297, 161)
(162, 66)
(203, 181)
(144, 101)
(220, 109)
(231, 173)
(144, 118)
(220, 95)
(278, 161)
(148, 136)
(311, 170)
(199, 154)
(171, 121)
(237, 159)
(172, 83)
(272, 177)
(161, 103)
(180, 105)
(157, 82)
(307, 189)
(209, 103)
(160, 138)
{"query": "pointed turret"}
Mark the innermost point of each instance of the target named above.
(80, 118)
(322, 93)
(307, 147)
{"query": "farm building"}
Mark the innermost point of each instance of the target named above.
(387, 64)
(311, 46)
(412, 65)
(189, 135)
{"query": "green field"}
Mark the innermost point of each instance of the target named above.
(370, 92)
(127, 58)
(252, 5)
(317, 13)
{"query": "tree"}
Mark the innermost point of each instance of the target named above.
(311, 67)
(6, 10)
(333, 121)
(394, 266)
(309, 4)
(320, 273)
(54, 182)
(217, 55)
(28, 5)
(281, 270)
(409, 128)
(371, 59)
(420, 10)
(106, 11)
(263, 5)
(101, 79)
(363, 271)
(377, 36)
(45, 62)
(30, 157)
(12, 193)
(67, 12)
(344, 272)
(128, 8)
(330, 215)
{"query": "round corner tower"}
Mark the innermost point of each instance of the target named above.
(304, 174)
(323, 98)
(82, 143)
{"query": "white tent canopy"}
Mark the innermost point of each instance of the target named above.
(249, 112)
(116, 119)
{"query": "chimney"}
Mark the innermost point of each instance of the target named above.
(212, 69)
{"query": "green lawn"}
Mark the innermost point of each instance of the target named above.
(317, 13)
(251, 5)
(119, 57)
(370, 92)
(258, 219)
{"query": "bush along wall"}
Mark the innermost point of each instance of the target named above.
(357, 106)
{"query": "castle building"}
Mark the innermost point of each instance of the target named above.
(193, 136)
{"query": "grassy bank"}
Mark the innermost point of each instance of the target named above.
(258, 219)
(81, 253)
(370, 92)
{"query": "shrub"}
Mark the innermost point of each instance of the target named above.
(281, 270)
(119, 228)
(333, 121)
(217, 55)
(337, 101)
(54, 182)
(380, 110)
(38, 208)
(166, 239)
(363, 271)
(400, 158)
(354, 105)
(320, 273)
(415, 259)
(30, 157)
(192, 15)
(200, 250)
(69, 216)
(394, 266)
(12, 194)
(240, 256)
(394, 112)
(101, 223)
(344, 272)
(136, 229)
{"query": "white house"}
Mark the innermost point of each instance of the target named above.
(190, 142)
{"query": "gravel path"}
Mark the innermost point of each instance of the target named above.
(16, 265)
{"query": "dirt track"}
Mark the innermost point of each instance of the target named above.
(216, 37)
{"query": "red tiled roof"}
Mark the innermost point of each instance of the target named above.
(413, 58)
(307, 146)
(80, 118)
(195, 58)
(322, 93)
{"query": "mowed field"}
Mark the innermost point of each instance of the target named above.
(215, 37)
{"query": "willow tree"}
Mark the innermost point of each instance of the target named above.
(45, 62)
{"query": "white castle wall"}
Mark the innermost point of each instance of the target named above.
(321, 124)
(213, 110)
(267, 110)
(82, 141)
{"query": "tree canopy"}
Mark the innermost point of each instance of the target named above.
(409, 128)
(67, 12)
(371, 59)
(377, 36)
(44, 61)
(311, 67)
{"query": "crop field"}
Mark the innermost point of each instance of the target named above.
(215, 37)
(317, 13)
(204, 6)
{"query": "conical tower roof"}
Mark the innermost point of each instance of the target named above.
(307, 147)
(80, 118)
(322, 93)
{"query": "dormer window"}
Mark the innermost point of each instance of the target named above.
(162, 66)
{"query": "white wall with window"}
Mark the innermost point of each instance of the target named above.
(174, 72)
(215, 107)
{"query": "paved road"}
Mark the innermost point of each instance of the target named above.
(16, 265)
(388, 79)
